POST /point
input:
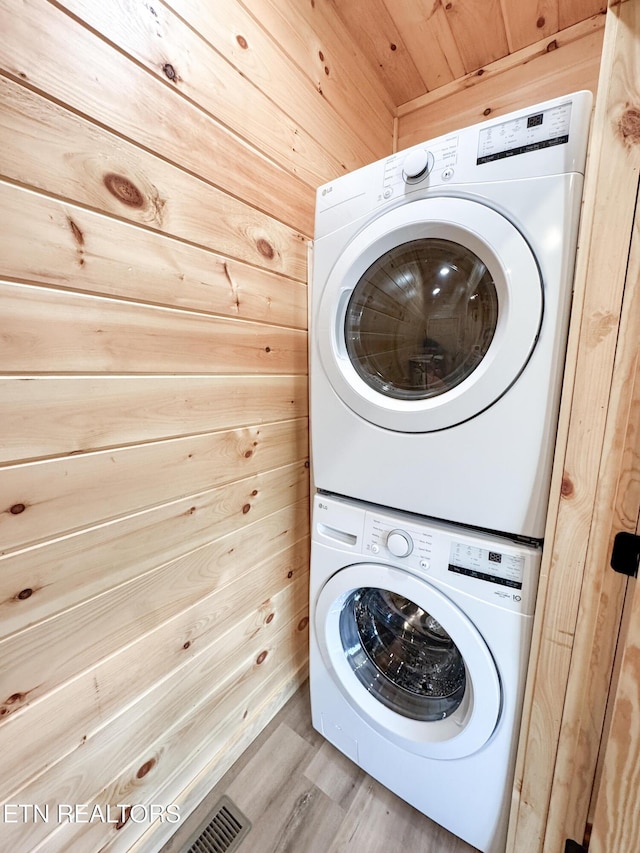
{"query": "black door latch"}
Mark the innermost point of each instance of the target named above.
(625, 555)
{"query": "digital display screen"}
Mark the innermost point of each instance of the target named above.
(493, 566)
(528, 133)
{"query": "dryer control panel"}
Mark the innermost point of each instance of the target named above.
(546, 139)
(408, 169)
(541, 129)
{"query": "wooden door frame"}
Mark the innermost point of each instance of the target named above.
(615, 804)
(580, 602)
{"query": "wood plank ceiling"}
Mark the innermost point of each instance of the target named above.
(419, 45)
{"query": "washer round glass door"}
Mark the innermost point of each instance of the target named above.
(402, 655)
(410, 661)
(430, 314)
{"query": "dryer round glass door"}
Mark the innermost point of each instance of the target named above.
(430, 314)
(421, 319)
(408, 660)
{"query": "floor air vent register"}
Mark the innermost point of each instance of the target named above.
(224, 832)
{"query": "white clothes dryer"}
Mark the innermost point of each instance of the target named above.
(419, 641)
(440, 301)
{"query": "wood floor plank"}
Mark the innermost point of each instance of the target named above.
(380, 822)
(280, 758)
(335, 775)
(293, 785)
(297, 715)
(307, 824)
(291, 810)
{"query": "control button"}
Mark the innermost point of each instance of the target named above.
(447, 174)
(375, 549)
(399, 543)
(417, 165)
(424, 564)
(387, 193)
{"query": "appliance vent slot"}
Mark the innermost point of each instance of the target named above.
(225, 830)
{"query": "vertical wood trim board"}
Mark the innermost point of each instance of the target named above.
(614, 808)
(580, 599)
(597, 638)
(158, 176)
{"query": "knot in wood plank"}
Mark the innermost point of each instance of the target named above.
(123, 189)
(629, 126)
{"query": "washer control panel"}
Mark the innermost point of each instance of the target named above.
(489, 567)
(399, 543)
(409, 543)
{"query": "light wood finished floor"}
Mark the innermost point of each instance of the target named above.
(303, 796)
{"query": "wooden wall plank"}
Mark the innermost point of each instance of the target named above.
(478, 29)
(43, 581)
(188, 791)
(135, 409)
(571, 11)
(87, 334)
(382, 43)
(527, 23)
(40, 499)
(215, 740)
(552, 68)
(68, 246)
(157, 179)
(81, 162)
(168, 724)
(237, 35)
(237, 596)
(319, 45)
(220, 745)
(200, 141)
(422, 22)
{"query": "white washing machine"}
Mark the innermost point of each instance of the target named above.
(419, 642)
(440, 300)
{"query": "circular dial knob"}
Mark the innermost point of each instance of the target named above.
(399, 543)
(417, 165)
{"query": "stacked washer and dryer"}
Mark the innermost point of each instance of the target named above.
(440, 300)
